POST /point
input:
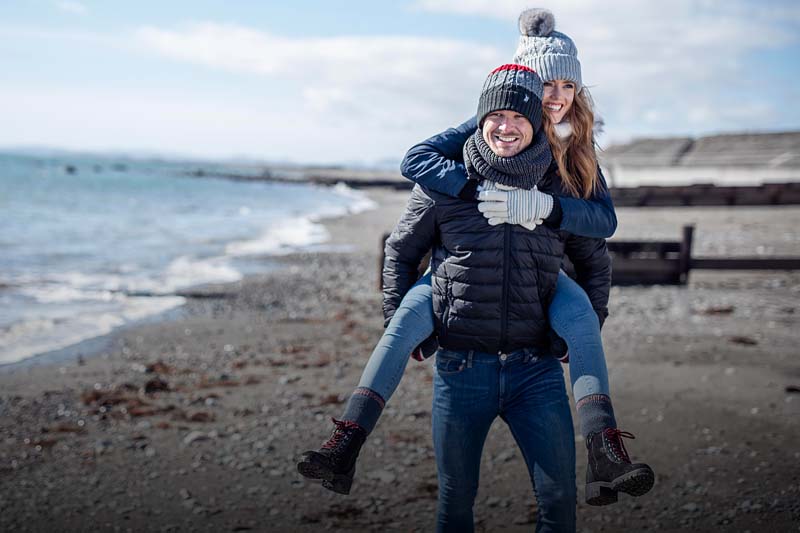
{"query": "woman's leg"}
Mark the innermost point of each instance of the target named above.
(573, 318)
(609, 468)
(411, 324)
(335, 462)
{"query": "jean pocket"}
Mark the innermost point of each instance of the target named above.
(449, 363)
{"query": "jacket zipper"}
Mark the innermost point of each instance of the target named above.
(504, 301)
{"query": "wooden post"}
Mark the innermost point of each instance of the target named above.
(685, 258)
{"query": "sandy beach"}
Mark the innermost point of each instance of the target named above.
(193, 423)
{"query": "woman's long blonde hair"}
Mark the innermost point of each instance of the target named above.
(575, 156)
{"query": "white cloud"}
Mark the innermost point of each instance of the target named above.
(649, 59)
(683, 71)
(390, 62)
(71, 6)
(384, 84)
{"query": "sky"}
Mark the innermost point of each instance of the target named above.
(361, 81)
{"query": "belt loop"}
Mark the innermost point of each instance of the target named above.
(469, 358)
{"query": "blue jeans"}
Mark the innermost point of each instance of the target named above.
(570, 313)
(411, 324)
(470, 390)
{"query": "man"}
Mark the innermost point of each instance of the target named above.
(491, 288)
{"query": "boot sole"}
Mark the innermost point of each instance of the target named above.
(311, 468)
(635, 483)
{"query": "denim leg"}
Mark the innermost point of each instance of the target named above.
(573, 318)
(464, 406)
(411, 324)
(536, 409)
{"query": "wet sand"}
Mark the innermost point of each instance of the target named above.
(194, 423)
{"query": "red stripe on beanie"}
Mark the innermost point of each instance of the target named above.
(512, 66)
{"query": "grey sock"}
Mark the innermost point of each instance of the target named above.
(595, 414)
(364, 408)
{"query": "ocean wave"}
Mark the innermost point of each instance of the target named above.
(186, 272)
(302, 233)
(63, 294)
(50, 308)
(28, 337)
(360, 201)
(282, 238)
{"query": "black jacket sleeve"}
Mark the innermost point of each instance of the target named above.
(592, 265)
(410, 240)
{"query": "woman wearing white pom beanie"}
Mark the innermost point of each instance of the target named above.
(438, 164)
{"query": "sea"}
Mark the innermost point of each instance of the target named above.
(90, 243)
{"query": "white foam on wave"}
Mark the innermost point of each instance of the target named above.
(32, 336)
(302, 233)
(187, 272)
(360, 201)
(281, 238)
(82, 282)
(180, 273)
(76, 306)
(53, 294)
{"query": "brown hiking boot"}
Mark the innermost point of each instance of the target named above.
(335, 462)
(610, 469)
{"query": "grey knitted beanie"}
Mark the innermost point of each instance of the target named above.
(513, 87)
(550, 53)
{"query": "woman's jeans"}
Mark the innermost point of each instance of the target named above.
(570, 313)
(470, 390)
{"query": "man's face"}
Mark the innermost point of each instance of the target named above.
(507, 132)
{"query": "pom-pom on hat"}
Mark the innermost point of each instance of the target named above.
(549, 52)
(513, 87)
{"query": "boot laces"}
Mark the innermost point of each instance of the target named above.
(615, 444)
(344, 429)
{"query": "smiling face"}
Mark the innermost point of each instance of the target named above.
(507, 132)
(558, 98)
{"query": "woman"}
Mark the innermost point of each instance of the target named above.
(437, 163)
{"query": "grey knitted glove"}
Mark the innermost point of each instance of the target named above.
(514, 206)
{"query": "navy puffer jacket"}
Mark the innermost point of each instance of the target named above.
(492, 285)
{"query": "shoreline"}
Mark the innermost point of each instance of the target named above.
(91, 345)
(194, 423)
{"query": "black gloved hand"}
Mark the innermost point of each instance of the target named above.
(558, 346)
(426, 348)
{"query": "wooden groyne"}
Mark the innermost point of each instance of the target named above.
(658, 262)
(707, 195)
(671, 262)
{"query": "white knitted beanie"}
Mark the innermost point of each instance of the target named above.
(550, 53)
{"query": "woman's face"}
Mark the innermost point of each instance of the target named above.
(558, 98)
(507, 132)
